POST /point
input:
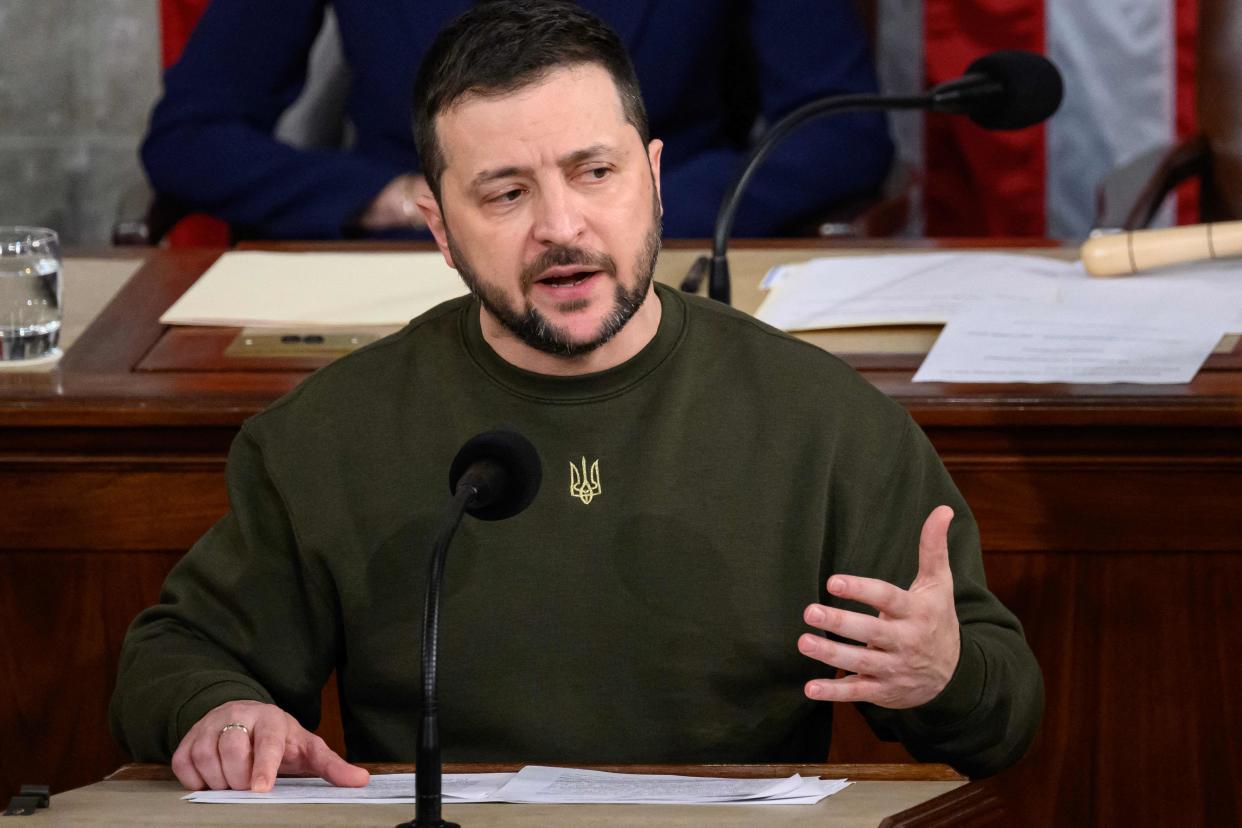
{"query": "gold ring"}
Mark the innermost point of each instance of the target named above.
(234, 726)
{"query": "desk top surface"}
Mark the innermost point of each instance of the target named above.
(126, 369)
(144, 795)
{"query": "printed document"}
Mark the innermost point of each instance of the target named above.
(547, 785)
(1100, 331)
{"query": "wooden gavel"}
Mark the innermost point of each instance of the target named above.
(1120, 254)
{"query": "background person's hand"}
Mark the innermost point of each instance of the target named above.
(912, 648)
(395, 205)
(211, 757)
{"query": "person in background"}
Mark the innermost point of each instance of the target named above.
(711, 74)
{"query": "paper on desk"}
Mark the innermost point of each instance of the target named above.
(266, 289)
(903, 289)
(548, 785)
(1223, 276)
(568, 785)
(1100, 331)
(383, 789)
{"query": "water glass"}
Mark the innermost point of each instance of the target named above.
(30, 307)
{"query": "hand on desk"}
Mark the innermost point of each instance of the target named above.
(248, 759)
(911, 649)
(394, 206)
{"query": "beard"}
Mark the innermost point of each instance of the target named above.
(532, 327)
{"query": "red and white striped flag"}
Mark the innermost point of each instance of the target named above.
(1129, 71)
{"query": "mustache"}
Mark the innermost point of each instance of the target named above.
(560, 256)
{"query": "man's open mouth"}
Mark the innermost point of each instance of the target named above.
(560, 277)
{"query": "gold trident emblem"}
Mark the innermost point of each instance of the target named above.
(584, 485)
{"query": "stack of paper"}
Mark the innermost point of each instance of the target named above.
(261, 289)
(902, 289)
(548, 785)
(1016, 318)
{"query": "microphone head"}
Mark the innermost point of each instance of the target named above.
(1032, 90)
(505, 469)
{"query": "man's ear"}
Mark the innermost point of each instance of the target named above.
(430, 208)
(654, 150)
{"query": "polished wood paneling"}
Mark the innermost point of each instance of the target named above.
(1143, 669)
(114, 505)
(1111, 518)
(63, 614)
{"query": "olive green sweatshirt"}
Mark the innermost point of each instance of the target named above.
(645, 608)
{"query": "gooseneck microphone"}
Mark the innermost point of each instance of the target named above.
(1002, 90)
(494, 476)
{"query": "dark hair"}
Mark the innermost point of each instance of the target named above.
(500, 46)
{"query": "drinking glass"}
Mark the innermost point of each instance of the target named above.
(30, 309)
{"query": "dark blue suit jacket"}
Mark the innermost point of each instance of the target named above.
(210, 143)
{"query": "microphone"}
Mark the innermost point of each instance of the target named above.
(494, 476)
(1121, 254)
(1010, 89)
(1003, 90)
(502, 468)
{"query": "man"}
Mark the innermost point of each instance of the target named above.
(712, 489)
(710, 68)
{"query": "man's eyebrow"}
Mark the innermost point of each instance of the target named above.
(585, 154)
(567, 160)
(487, 176)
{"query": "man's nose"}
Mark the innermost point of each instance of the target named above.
(559, 218)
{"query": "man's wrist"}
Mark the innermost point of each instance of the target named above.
(962, 694)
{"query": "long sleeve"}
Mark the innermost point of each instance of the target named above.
(244, 615)
(986, 717)
(804, 50)
(210, 143)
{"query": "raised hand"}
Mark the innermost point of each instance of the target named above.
(911, 649)
(243, 745)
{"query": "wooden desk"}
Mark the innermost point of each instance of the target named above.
(1111, 518)
(892, 796)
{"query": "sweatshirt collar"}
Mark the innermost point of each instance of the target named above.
(582, 387)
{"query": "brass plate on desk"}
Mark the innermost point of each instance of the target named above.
(268, 343)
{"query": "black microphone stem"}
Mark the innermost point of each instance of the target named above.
(718, 287)
(429, 776)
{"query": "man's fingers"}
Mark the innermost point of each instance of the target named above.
(206, 757)
(855, 626)
(934, 546)
(325, 764)
(233, 746)
(850, 657)
(269, 751)
(848, 689)
(882, 595)
(183, 769)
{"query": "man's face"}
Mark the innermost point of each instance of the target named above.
(549, 208)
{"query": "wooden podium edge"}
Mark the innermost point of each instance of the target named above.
(971, 805)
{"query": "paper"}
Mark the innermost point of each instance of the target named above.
(548, 785)
(567, 785)
(1100, 331)
(906, 289)
(265, 289)
(1223, 276)
(383, 789)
